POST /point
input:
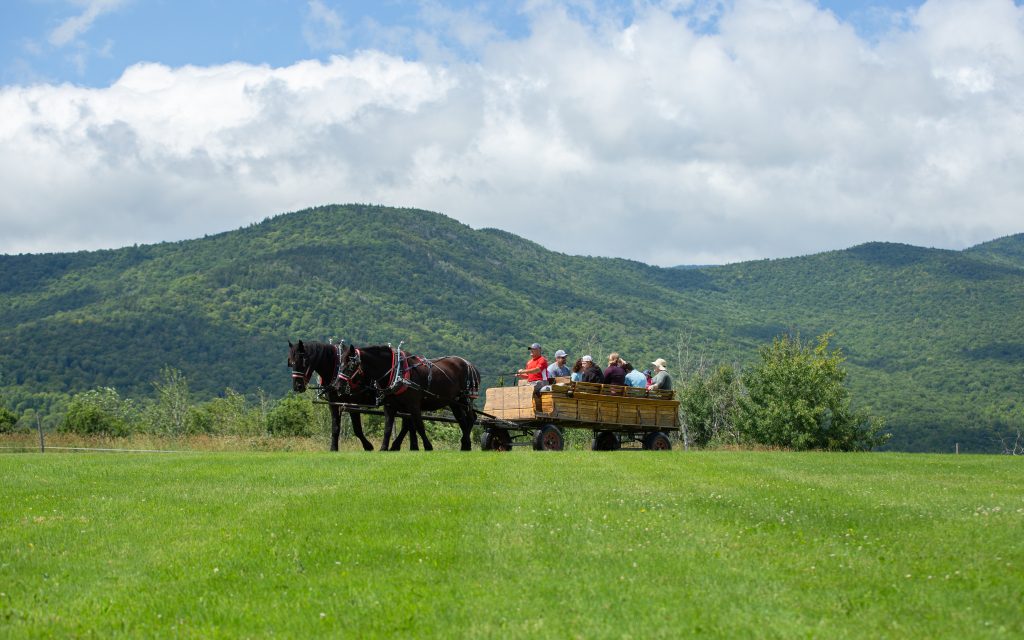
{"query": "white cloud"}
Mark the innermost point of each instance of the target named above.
(70, 29)
(323, 28)
(781, 132)
(69, 33)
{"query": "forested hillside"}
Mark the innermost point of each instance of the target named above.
(934, 339)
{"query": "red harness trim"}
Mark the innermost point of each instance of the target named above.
(396, 361)
(405, 372)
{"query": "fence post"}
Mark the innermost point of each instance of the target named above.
(42, 443)
(958, 448)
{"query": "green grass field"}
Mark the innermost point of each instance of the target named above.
(524, 544)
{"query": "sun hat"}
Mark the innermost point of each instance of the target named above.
(561, 354)
(659, 364)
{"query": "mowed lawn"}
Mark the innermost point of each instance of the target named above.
(521, 544)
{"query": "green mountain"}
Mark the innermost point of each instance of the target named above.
(933, 337)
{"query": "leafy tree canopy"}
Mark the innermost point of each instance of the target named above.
(796, 397)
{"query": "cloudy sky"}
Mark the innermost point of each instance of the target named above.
(672, 132)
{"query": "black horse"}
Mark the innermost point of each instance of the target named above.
(308, 358)
(411, 384)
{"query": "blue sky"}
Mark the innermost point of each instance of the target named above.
(667, 131)
(183, 32)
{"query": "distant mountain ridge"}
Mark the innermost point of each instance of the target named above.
(933, 337)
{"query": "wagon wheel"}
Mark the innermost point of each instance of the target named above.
(606, 441)
(657, 441)
(496, 440)
(548, 438)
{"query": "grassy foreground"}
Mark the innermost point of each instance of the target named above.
(573, 544)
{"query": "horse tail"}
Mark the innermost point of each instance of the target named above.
(472, 380)
(470, 383)
(472, 391)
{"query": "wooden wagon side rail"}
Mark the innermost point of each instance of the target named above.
(622, 411)
(597, 388)
(587, 404)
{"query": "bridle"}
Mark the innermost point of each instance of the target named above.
(298, 373)
(353, 369)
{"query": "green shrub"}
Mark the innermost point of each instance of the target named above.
(709, 402)
(8, 420)
(230, 414)
(797, 398)
(292, 416)
(98, 412)
(169, 415)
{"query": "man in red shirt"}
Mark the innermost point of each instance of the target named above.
(537, 367)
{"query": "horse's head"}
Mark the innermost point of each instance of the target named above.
(299, 363)
(350, 369)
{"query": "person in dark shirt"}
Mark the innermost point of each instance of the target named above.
(591, 372)
(614, 373)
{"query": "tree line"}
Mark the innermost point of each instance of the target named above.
(794, 397)
(932, 337)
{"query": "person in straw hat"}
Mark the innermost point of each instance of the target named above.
(661, 379)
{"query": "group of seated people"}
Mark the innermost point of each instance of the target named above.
(618, 371)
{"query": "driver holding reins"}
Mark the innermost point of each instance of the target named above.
(536, 369)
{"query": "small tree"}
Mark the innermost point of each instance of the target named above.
(796, 398)
(98, 412)
(170, 414)
(229, 414)
(8, 420)
(292, 416)
(709, 404)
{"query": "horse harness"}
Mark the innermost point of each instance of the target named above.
(399, 375)
(303, 375)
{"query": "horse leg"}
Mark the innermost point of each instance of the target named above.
(421, 427)
(466, 417)
(414, 444)
(414, 416)
(397, 444)
(357, 428)
(389, 424)
(335, 427)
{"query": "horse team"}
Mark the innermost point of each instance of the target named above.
(399, 382)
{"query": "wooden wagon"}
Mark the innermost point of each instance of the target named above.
(617, 415)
